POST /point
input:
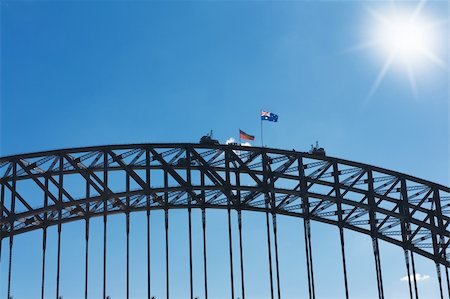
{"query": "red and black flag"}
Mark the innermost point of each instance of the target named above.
(245, 136)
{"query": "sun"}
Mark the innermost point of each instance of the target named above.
(408, 39)
(405, 39)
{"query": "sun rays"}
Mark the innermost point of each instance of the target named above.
(405, 39)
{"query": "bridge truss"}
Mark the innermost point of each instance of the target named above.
(51, 188)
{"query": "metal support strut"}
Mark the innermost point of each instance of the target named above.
(230, 237)
(269, 250)
(128, 253)
(376, 254)
(58, 262)
(11, 241)
(60, 200)
(191, 282)
(406, 231)
(44, 242)
(104, 253)
(189, 180)
(446, 278)
(241, 253)
(274, 220)
(127, 224)
(148, 248)
(408, 272)
(309, 261)
(11, 224)
(437, 241)
(307, 229)
(166, 225)
(344, 263)
(373, 229)
(147, 181)
(44, 247)
(341, 224)
(204, 252)
(413, 264)
(86, 258)
(105, 219)
(439, 276)
(446, 268)
(230, 244)
(267, 200)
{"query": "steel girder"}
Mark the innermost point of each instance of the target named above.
(50, 188)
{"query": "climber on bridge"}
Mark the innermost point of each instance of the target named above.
(208, 139)
(316, 150)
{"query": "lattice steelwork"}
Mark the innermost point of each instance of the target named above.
(39, 190)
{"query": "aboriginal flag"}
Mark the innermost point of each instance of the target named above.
(245, 136)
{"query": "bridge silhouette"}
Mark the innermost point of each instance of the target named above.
(76, 185)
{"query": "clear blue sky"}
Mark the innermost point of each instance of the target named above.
(79, 73)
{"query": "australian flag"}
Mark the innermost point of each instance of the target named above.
(269, 116)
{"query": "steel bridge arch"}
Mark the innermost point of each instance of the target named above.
(81, 183)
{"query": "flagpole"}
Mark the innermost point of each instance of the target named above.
(240, 142)
(262, 138)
